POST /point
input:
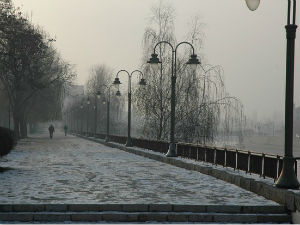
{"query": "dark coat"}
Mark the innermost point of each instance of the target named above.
(51, 129)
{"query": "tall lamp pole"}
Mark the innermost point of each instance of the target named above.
(108, 88)
(88, 102)
(287, 178)
(154, 60)
(107, 113)
(117, 82)
(97, 96)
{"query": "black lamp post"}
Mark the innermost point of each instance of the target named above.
(103, 101)
(108, 87)
(154, 60)
(66, 117)
(97, 96)
(88, 102)
(117, 82)
(287, 178)
(107, 113)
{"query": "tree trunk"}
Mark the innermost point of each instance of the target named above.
(160, 128)
(32, 127)
(16, 126)
(23, 127)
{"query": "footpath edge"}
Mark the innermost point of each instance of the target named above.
(289, 198)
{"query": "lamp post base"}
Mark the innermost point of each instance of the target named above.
(171, 152)
(288, 178)
(107, 139)
(128, 143)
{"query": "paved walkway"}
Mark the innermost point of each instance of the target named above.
(74, 170)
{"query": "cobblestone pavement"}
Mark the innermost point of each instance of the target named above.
(73, 170)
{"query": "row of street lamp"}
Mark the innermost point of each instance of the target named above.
(154, 61)
(288, 177)
(88, 102)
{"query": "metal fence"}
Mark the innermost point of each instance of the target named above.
(265, 165)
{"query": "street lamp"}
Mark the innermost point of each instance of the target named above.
(95, 117)
(118, 93)
(108, 88)
(252, 4)
(97, 96)
(154, 60)
(88, 102)
(288, 178)
(117, 82)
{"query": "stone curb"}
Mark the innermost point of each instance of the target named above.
(285, 197)
(176, 208)
(143, 217)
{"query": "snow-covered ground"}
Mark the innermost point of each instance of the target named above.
(73, 170)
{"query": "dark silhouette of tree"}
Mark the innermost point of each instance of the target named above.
(29, 65)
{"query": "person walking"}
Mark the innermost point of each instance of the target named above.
(51, 131)
(66, 129)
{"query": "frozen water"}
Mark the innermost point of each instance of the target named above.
(73, 170)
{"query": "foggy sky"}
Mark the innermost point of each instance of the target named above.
(250, 46)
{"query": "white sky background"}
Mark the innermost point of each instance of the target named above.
(250, 46)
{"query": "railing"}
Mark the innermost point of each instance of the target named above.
(265, 165)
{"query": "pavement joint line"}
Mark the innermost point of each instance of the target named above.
(281, 196)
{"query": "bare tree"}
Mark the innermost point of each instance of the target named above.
(202, 103)
(100, 78)
(154, 106)
(28, 64)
